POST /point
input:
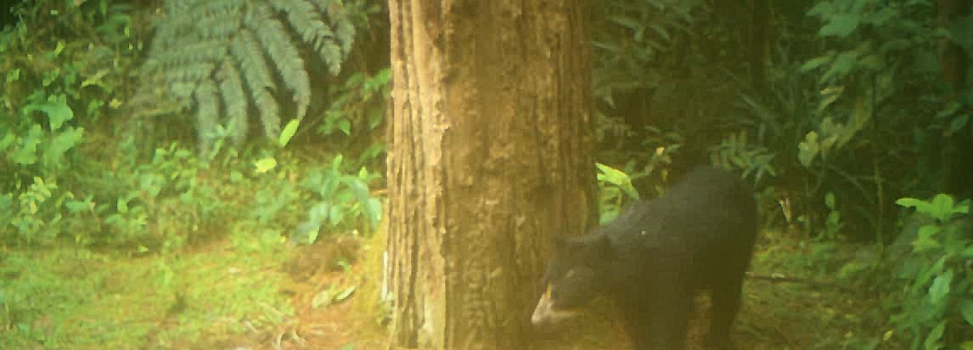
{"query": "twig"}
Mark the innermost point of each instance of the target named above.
(778, 278)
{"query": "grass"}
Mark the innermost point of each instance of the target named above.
(230, 294)
(77, 299)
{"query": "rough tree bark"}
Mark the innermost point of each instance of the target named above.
(489, 157)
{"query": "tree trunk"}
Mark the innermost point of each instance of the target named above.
(958, 151)
(489, 157)
(759, 44)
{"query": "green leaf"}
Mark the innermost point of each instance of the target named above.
(928, 231)
(940, 287)
(618, 178)
(925, 240)
(336, 163)
(808, 149)
(822, 9)
(323, 298)
(909, 202)
(966, 309)
(968, 252)
(942, 207)
(829, 200)
(949, 110)
(289, 130)
(612, 175)
(816, 62)
(122, 205)
(7, 140)
(841, 66)
(13, 75)
(373, 211)
(345, 126)
(358, 187)
(75, 207)
(335, 216)
(265, 165)
(61, 144)
(828, 96)
(56, 108)
(344, 294)
(840, 25)
(958, 123)
(932, 340)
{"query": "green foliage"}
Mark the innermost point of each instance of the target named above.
(615, 188)
(833, 222)
(53, 83)
(941, 208)
(162, 202)
(41, 146)
(221, 56)
(359, 102)
(649, 169)
(288, 132)
(631, 38)
(934, 307)
(35, 215)
(737, 152)
(848, 101)
(880, 45)
(340, 201)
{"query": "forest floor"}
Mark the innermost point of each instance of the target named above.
(228, 295)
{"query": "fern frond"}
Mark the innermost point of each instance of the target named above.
(208, 53)
(247, 53)
(234, 101)
(185, 21)
(257, 77)
(203, 51)
(189, 72)
(344, 27)
(207, 114)
(219, 28)
(334, 50)
(269, 113)
(331, 54)
(305, 20)
(286, 58)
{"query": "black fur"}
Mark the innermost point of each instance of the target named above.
(651, 261)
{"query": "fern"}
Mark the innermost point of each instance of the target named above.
(223, 56)
(207, 112)
(235, 101)
(287, 59)
(341, 20)
(258, 79)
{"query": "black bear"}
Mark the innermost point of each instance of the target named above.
(656, 256)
